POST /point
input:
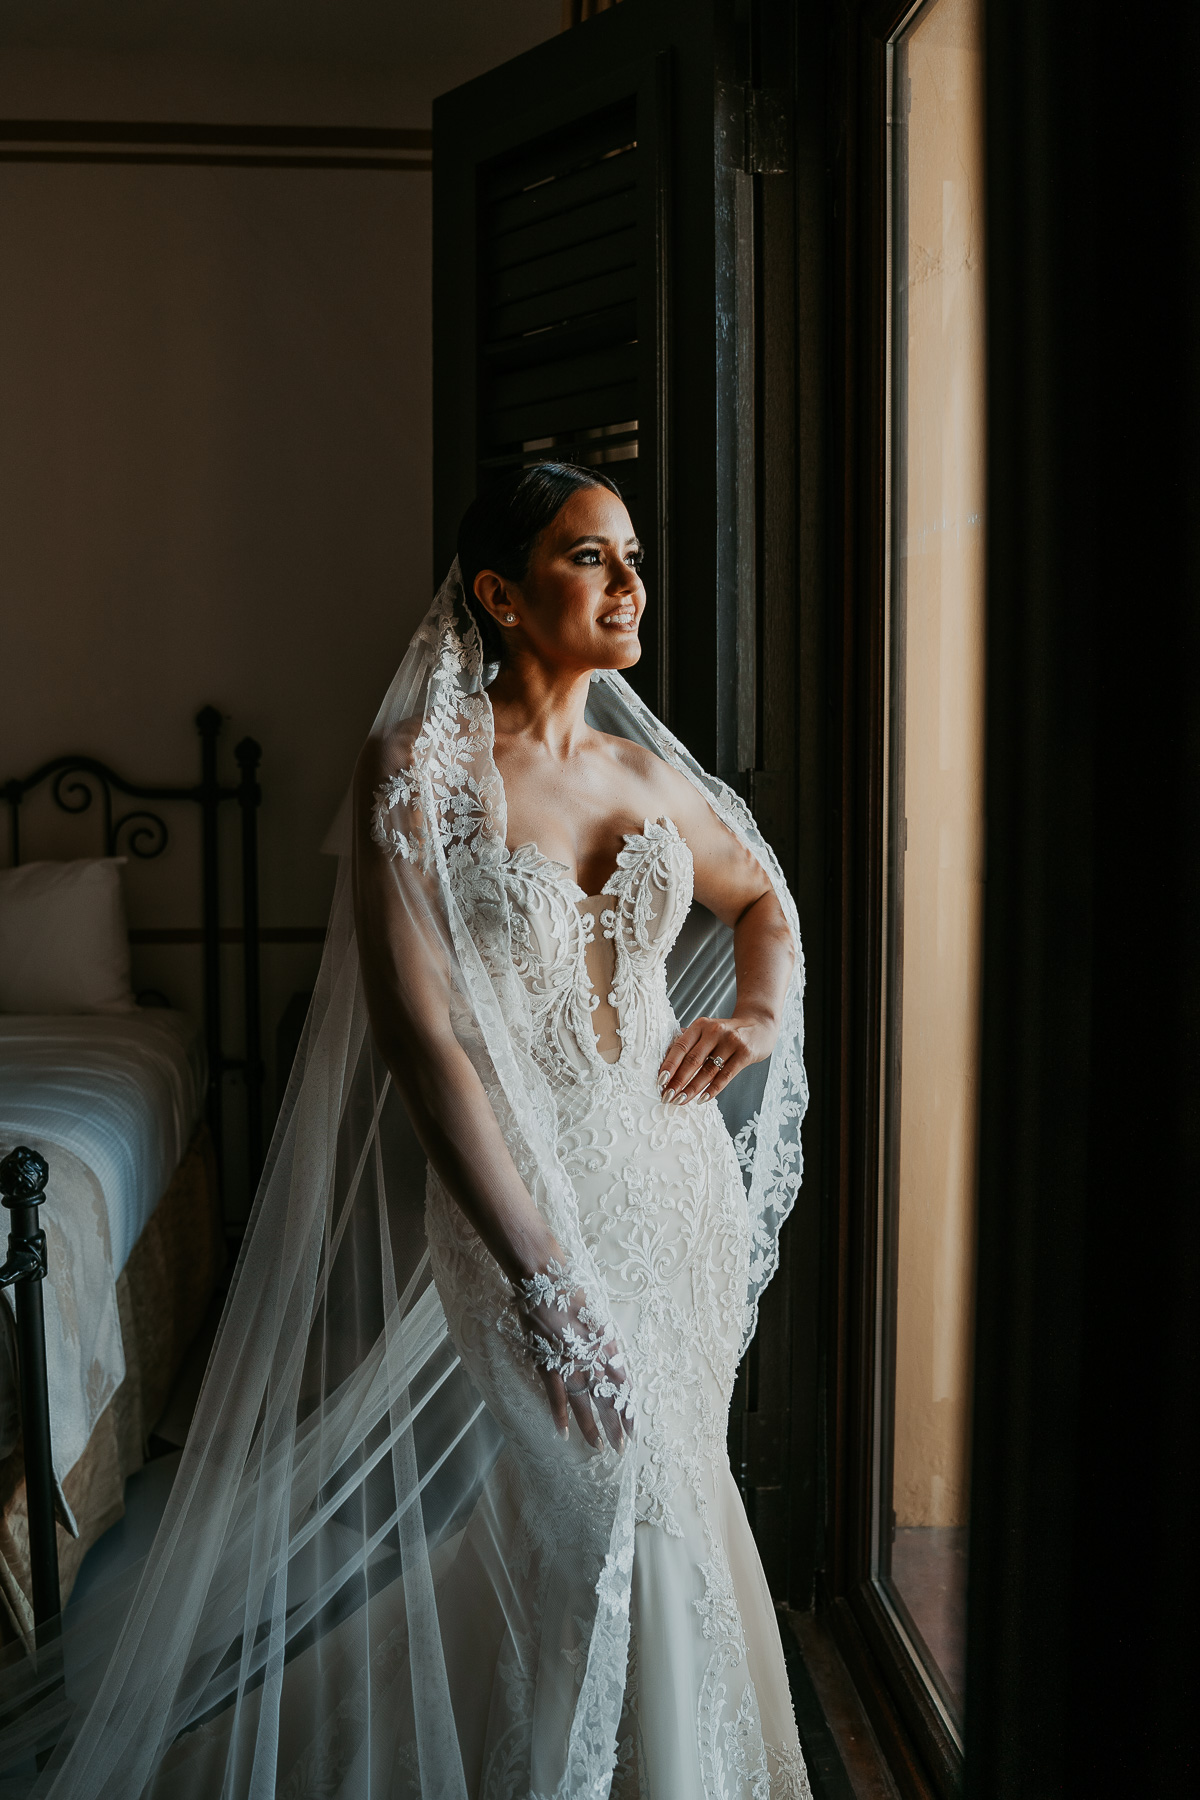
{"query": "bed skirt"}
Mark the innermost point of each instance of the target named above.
(163, 1293)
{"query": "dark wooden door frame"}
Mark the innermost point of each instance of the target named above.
(920, 1745)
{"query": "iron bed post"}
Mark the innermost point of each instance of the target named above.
(23, 1177)
(208, 723)
(249, 794)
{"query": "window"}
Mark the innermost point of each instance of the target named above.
(933, 819)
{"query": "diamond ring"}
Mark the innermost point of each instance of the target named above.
(718, 1062)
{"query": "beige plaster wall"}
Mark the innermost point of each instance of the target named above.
(215, 436)
(941, 551)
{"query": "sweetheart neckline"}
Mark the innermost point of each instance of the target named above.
(552, 862)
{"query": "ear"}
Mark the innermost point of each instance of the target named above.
(496, 596)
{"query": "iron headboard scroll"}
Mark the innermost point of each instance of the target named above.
(148, 834)
(77, 781)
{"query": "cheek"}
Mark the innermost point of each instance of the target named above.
(568, 619)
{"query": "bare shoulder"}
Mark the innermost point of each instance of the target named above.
(661, 788)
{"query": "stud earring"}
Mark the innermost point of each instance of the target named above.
(510, 618)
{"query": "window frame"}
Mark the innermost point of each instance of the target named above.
(876, 1639)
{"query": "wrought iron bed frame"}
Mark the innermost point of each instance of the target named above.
(76, 780)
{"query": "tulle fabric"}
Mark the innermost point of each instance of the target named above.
(325, 1606)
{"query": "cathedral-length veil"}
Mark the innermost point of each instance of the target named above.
(376, 1574)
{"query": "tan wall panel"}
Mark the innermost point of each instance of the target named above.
(942, 555)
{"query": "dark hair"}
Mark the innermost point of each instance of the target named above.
(502, 524)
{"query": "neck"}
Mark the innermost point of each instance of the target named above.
(545, 705)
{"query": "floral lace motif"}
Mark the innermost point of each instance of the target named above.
(575, 1337)
(679, 1226)
(663, 1211)
(771, 1160)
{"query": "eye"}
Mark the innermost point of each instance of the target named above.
(587, 556)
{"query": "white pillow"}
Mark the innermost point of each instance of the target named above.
(64, 942)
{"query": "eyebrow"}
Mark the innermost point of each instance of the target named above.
(594, 538)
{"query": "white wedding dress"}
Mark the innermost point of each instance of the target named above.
(662, 1208)
(381, 1574)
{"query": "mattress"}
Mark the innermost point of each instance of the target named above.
(123, 1092)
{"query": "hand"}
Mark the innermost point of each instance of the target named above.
(577, 1354)
(705, 1058)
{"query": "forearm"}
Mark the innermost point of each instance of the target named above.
(459, 1133)
(764, 956)
(710, 1053)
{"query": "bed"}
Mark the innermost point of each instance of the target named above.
(123, 1103)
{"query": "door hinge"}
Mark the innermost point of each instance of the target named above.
(768, 136)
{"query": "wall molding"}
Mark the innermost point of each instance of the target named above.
(406, 149)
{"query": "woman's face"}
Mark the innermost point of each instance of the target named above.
(582, 599)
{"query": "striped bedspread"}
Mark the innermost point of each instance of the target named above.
(111, 1103)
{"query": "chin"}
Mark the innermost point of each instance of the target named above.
(621, 656)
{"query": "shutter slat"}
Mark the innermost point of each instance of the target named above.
(615, 174)
(601, 256)
(569, 375)
(603, 135)
(566, 412)
(563, 306)
(593, 331)
(597, 219)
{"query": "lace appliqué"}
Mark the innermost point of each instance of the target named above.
(771, 1161)
(450, 783)
(577, 1338)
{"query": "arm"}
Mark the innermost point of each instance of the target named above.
(406, 978)
(734, 885)
(405, 964)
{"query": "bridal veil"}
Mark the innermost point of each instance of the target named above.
(337, 1554)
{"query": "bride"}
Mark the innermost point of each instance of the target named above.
(455, 1517)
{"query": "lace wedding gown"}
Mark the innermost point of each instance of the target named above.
(662, 1207)
(380, 1570)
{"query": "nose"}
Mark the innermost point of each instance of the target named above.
(624, 578)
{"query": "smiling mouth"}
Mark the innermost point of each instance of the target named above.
(620, 620)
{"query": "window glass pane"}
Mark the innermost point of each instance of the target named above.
(935, 851)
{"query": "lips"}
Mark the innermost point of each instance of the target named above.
(620, 619)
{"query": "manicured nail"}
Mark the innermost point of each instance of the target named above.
(564, 1434)
(663, 1078)
(683, 1099)
(670, 1094)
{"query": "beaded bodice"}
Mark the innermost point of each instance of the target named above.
(594, 966)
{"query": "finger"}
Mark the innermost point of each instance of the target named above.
(734, 1054)
(724, 1076)
(705, 1036)
(675, 1055)
(697, 1088)
(695, 1072)
(610, 1418)
(581, 1406)
(556, 1393)
(734, 1057)
(623, 1404)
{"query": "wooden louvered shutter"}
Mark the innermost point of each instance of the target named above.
(558, 299)
(582, 239)
(549, 258)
